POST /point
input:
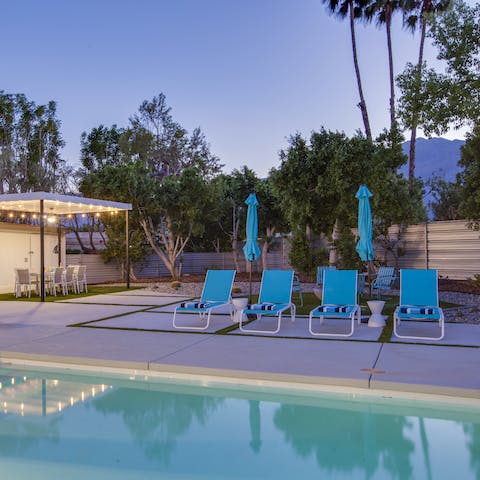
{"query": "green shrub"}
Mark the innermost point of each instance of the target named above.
(347, 256)
(237, 289)
(175, 284)
(304, 256)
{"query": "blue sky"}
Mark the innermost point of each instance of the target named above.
(249, 72)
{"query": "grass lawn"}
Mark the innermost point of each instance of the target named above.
(92, 290)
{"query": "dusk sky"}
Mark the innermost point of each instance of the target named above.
(249, 72)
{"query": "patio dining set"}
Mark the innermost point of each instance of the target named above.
(62, 280)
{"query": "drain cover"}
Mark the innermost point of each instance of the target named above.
(371, 370)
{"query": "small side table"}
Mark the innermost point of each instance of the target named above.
(318, 292)
(238, 305)
(376, 318)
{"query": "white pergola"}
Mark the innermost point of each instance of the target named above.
(46, 204)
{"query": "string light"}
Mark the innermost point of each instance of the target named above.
(10, 215)
(22, 215)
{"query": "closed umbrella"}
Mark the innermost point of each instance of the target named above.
(365, 243)
(251, 249)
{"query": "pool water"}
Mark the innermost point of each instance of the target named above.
(56, 426)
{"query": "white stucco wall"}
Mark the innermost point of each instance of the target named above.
(20, 248)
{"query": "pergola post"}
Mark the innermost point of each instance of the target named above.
(42, 253)
(127, 248)
(59, 240)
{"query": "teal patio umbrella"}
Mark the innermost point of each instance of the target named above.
(365, 243)
(251, 249)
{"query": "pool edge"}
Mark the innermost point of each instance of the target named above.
(296, 384)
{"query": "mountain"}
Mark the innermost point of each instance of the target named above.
(435, 155)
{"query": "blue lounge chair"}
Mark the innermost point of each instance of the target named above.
(418, 301)
(321, 272)
(384, 280)
(217, 292)
(339, 300)
(297, 288)
(275, 297)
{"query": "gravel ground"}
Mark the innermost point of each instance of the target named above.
(469, 312)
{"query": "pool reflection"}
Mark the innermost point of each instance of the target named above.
(156, 420)
(132, 426)
(346, 440)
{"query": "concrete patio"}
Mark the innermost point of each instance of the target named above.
(133, 330)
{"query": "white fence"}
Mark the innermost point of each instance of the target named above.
(152, 267)
(450, 247)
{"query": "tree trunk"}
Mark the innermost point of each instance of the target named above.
(269, 237)
(332, 255)
(173, 245)
(235, 254)
(388, 22)
(413, 135)
(132, 274)
(362, 105)
(264, 255)
(75, 231)
(235, 227)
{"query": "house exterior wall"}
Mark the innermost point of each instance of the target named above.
(20, 248)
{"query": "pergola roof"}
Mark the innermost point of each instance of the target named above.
(57, 204)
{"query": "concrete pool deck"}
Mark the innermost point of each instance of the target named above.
(117, 331)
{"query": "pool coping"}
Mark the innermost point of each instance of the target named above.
(230, 378)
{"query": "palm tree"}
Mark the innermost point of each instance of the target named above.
(416, 14)
(354, 10)
(382, 11)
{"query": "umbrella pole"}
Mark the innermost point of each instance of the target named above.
(370, 275)
(250, 283)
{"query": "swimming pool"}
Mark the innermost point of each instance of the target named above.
(54, 425)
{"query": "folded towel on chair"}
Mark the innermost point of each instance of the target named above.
(334, 308)
(194, 305)
(261, 306)
(418, 310)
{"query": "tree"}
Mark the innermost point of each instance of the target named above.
(101, 146)
(234, 190)
(164, 145)
(30, 144)
(130, 183)
(416, 14)
(469, 178)
(436, 101)
(353, 9)
(182, 205)
(456, 34)
(382, 11)
(270, 217)
(159, 168)
(318, 181)
(446, 199)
